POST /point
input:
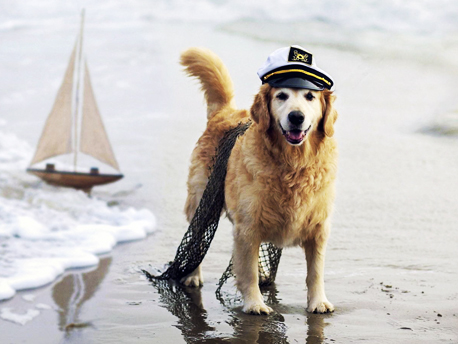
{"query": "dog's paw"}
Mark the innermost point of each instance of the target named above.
(320, 306)
(257, 308)
(193, 281)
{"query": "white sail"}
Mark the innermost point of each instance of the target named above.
(94, 140)
(56, 137)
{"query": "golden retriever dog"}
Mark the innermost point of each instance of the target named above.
(280, 178)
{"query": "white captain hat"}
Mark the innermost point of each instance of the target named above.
(294, 67)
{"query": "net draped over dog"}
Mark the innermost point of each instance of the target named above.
(197, 239)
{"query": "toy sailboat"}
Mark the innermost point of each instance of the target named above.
(66, 133)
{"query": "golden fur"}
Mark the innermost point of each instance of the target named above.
(277, 189)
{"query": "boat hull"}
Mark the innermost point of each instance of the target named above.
(76, 180)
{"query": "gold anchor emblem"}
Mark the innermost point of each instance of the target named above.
(300, 57)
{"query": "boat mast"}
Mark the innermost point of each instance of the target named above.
(75, 116)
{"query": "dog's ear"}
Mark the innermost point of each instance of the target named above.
(260, 108)
(329, 114)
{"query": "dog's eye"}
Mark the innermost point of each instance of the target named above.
(309, 96)
(282, 96)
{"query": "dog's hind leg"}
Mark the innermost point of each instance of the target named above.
(245, 259)
(197, 181)
(219, 93)
(194, 279)
(315, 249)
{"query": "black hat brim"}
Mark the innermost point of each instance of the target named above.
(294, 82)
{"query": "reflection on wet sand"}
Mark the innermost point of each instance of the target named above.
(75, 289)
(186, 304)
(258, 329)
(315, 328)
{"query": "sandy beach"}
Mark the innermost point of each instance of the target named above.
(391, 265)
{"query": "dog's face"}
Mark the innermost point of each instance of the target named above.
(296, 112)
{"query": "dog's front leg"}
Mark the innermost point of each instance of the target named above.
(315, 250)
(245, 258)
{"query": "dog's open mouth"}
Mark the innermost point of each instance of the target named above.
(295, 136)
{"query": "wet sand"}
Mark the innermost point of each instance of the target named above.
(391, 261)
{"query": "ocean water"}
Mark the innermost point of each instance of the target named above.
(45, 230)
(416, 17)
(425, 30)
(423, 17)
(410, 16)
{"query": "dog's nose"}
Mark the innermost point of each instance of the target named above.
(296, 117)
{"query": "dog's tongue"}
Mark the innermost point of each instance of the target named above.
(295, 135)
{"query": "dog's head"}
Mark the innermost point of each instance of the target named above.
(294, 113)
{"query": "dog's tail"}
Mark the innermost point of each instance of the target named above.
(213, 76)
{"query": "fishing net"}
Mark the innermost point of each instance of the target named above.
(203, 226)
